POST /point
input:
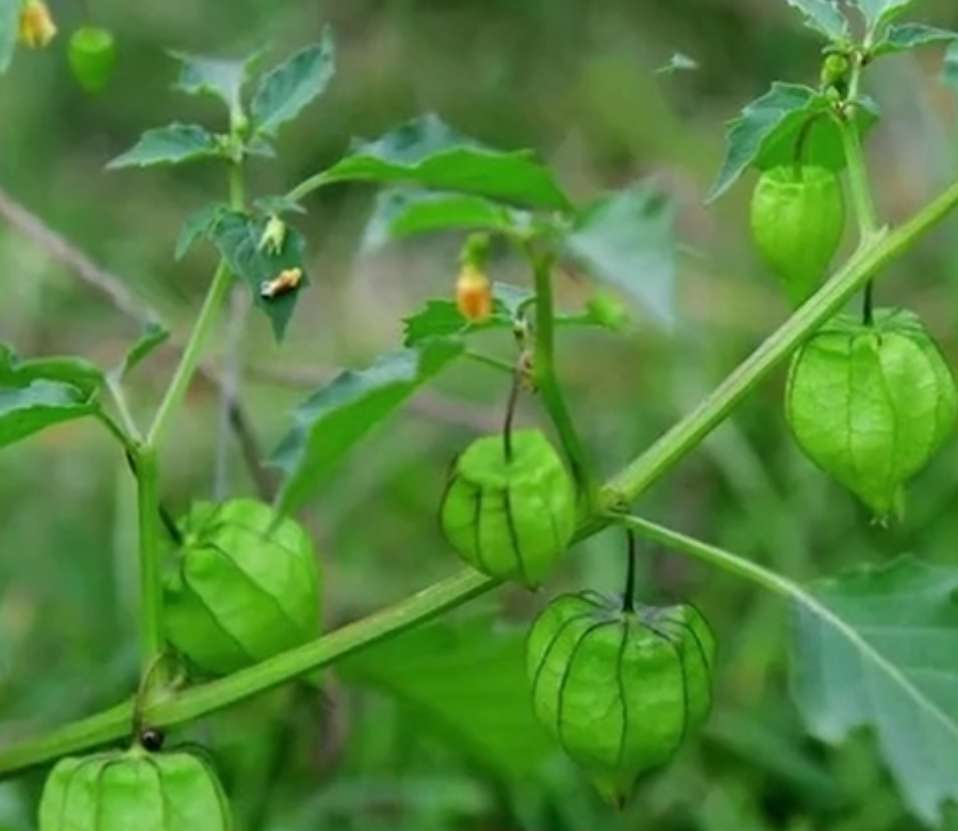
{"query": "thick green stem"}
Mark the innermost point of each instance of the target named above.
(152, 640)
(547, 383)
(113, 724)
(622, 489)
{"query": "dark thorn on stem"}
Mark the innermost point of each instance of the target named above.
(152, 739)
(140, 733)
(628, 597)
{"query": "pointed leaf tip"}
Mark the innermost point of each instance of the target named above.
(289, 88)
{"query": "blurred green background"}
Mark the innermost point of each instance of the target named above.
(574, 80)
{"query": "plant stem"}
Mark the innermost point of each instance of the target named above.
(306, 187)
(863, 203)
(233, 369)
(152, 640)
(624, 488)
(547, 384)
(196, 345)
(122, 408)
(628, 596)
(724, 560)
(114, 723)
(510, 415)
(489, 360)
(192, 353)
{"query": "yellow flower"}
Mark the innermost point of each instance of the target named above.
(473, 293)
(37, 28)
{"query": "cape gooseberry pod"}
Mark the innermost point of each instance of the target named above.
(620, 690)
(797, 218)
(134, 789)
(246, 586)
(871, 404)
(512, 517)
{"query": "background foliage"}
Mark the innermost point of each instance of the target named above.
(576, 81)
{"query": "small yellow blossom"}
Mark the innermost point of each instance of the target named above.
(37, 28)
(473, 293)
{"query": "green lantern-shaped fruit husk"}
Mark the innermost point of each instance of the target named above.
(134, 791)
(797, 219)
(513, 517)
(92, 56)
(870, 405)
(246, 587)
(620, 690)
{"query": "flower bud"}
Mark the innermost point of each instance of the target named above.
(246, 587)
(92, 56)
(37, 28)
(620, 690)
(473, 294)
(274, 235)
(510, 516)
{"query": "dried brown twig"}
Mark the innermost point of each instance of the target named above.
(113, 288)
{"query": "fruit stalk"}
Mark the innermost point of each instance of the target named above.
(628, 596)
(863, 204)
(510, 415)
(544, 371)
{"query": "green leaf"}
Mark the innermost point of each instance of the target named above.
(198, 224)
(70, 370)
(152, 336)
(9, 26)
(625, 240)
(403, 212)
(468, 679)
(284, 91)
(172, 144)
(221, 77)
(333, 420)
(911, 36)
(41, 404)
(238, 236)
(427, 152)
(949, 68)
(677, 63)
(879, 12)
(260, 146)
(822, 15)
(876, 648)
(442, 318)
(767, 131)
